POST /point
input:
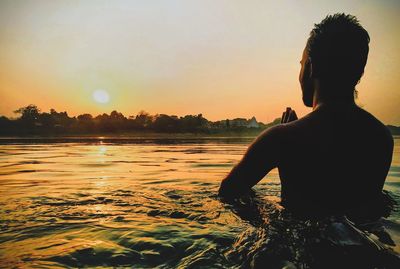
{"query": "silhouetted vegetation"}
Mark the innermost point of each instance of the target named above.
(395, 130)
(31, 121)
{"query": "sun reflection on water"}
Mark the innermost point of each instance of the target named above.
(118, 205)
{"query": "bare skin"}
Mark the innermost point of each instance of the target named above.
(333, 160)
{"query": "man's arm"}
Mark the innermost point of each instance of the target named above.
(261, 157)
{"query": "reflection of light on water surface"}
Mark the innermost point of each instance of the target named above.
(102, 150)
(120, 205)
(101, 179)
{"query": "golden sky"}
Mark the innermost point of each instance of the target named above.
(224, 59)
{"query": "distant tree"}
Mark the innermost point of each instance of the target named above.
(4, 120)
(102, 117)
(201, 121)
(84, 123)
(144, 119)
(114, 122)
(6, 125)
(85, 117)
(165, 123)
(115, 115)
(193, 123)
(274, 122)
(395, 130)
(28, 113)
(62, 122)
(118, 121)
(46, 120)
(32, 121)
(28, 122)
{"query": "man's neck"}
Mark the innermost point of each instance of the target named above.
(319, 100)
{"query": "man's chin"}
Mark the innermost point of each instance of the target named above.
(307, 102)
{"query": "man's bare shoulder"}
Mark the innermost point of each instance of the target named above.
(272, 134)
(305, 122)
(371, 118)
(280, 132)
(356, 120)
(272, 139)
(374, 125)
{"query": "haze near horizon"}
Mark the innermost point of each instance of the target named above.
(224, 59)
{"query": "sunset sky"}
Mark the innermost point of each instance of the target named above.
(224, 59)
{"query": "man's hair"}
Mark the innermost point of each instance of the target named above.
(338, 49)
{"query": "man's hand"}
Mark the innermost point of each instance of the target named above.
(288, 115)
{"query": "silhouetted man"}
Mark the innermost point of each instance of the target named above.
(336, 158)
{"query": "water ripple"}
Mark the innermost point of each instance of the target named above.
(155, 205)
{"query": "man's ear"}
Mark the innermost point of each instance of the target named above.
(312, 73)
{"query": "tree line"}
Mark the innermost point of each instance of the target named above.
(31, 121)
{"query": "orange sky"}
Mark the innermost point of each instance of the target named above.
(224, 59)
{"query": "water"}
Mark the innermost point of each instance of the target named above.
(97, 202)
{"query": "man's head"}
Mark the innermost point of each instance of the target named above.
(335, 56)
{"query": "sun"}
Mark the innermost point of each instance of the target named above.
(101, 96)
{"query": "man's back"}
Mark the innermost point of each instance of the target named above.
(336, 159)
